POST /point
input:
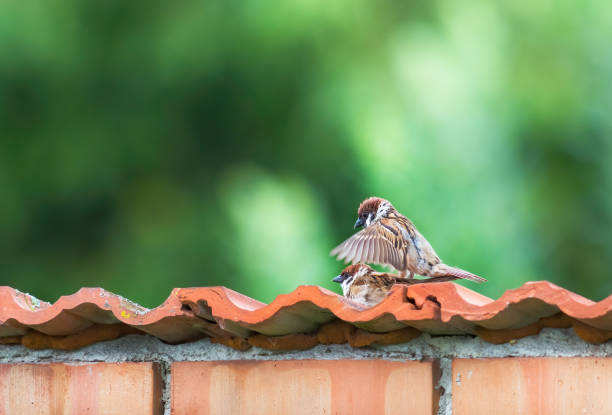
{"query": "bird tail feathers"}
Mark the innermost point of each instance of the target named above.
(441, 270)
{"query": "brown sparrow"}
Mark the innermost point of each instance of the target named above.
(390, 238)
(362, 284)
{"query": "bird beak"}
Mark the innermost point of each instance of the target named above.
(360, 222)
(338, 279)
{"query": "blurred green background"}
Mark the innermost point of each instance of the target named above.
(152, 145)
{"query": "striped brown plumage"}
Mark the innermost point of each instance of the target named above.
(390, 238)
(364, 285)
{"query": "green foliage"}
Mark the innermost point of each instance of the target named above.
(152, 145)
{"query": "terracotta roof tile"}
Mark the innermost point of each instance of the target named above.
(231, 318)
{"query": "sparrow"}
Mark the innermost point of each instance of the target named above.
(390, 238)
(364, 285)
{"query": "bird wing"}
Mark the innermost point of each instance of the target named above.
(380, 243)
(414, 281)
(380, 280)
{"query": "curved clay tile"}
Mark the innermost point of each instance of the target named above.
(218, 312)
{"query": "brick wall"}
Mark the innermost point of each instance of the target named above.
(553, 373)
(538, 385)
(66, 388)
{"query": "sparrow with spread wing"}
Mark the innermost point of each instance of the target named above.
(390, 238)
(362, 284)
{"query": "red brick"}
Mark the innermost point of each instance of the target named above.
(99, 388)
(303, 387)
(527, 386)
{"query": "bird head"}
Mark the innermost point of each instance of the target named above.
(348, 275)
(372, 210)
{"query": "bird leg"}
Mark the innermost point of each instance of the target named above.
(409, 276)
